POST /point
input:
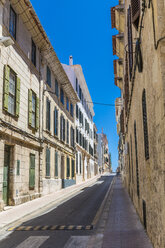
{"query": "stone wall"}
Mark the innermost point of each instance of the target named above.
(151, 171)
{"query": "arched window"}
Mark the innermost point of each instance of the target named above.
(145, 126)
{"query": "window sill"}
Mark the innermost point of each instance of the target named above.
(47, 177)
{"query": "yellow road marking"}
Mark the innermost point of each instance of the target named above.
(62, 227)
(78, 227)
(45, 228)
(11, 228)
(53, 227)
(88, 227)
(70, 227)
(36, 228)
(27, 228)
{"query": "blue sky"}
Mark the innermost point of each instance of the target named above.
(83, 29)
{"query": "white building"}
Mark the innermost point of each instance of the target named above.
(84, 123)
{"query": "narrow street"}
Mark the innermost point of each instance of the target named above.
(62, 226)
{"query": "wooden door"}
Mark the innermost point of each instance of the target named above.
(6, 174)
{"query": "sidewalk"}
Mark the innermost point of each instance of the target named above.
(17, 214)
(123, 228)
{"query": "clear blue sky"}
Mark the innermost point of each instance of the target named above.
(83, 29)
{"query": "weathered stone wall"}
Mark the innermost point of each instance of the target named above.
(151, 171)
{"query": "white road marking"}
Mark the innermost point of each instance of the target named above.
(33, 242)
(77, 241)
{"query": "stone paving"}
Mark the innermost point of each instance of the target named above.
(123, 228)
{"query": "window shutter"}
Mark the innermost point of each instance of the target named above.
(6, 87)
(61, 124)
(135, 5)
(73, 169)
(56, 164)
(114, 44)
(145, 125)
(113, 19)
(130, 44)
(55, 122)
(47, 162)
(30, 107)
(37, 112)
(126, 85)
(17, 97)
(63, 129)
(32, 172)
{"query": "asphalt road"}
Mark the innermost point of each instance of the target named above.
(77, 213)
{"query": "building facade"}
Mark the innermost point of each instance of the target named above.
(37, 128)
(142, 86)
(84, 123)
(103, 153)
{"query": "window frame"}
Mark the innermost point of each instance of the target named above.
(62, 96)
(33, 53)
(11, 95)
(14, 35)
(48, 76)
(48, 115)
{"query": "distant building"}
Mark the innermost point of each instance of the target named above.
(103, 152)
(84, 123)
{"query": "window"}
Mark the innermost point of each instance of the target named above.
(56, 88)
(48, 78)
(73, 169)
(12, 93)
(55, 121)
(80, 92)
(68, 167)
(62, 96)
(71, 109)
(145, 126)
(32, 172)
(56, 164)
(80, 163)
(76, 111)
(11, 96)
(67, 103)
(76, 162)
(136, 154)
(67, 140)
(135, 5)
(33, 56)
(18, 167)
(47, 162)
(130, 43)
(77, 85)
(33, 110)
(77, 134)
(62, 128)
(72, 136)
(12, 23)
(48, 114)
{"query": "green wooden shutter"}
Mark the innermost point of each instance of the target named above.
(37, 112)
(17, 97)
(32, 172)
(6, 87)
(47, 162)
(30, 107)
(56, 164)
(73, 168)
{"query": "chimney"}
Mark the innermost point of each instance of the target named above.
(70, 60)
